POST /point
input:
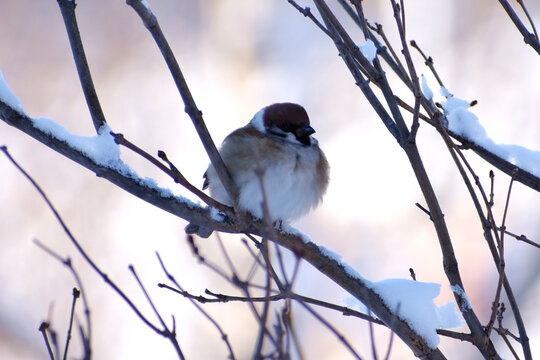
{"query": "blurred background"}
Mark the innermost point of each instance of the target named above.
(238, 57)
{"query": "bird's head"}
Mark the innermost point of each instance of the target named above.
(285, 120)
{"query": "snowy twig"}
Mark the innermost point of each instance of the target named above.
(67, 8)
(295, 243)
(151, 23)
(487, 226)
(172, 171)
(391, 340)
(342, 42)
(127, 182)
(521, 175)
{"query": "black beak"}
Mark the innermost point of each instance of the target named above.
(304, 131)
(302, 134)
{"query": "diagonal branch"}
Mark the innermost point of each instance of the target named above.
(528, 37)
(173, 172)
(309, 251)
(134, 185)
(151, 23)
(67, 9)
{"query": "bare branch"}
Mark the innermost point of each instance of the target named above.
(179, 289)
(332, 329)
(520, 238)
(522, 4)
(529, 38)
(151, 23)
(43, 329)
(86, 335)
(171, 335)
(76, 295)
(67, 8)
(81, 251)
(487, 227)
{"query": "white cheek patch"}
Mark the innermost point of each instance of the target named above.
(258, 121)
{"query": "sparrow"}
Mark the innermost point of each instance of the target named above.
(295, 172)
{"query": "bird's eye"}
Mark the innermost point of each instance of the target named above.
(274, 130)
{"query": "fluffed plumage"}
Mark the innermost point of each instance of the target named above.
(278, 140)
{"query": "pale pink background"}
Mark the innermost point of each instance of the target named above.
(238, 57)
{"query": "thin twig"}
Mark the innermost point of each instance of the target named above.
(488, 225)
(402, 73)
(171, 335)
(399, 15)
(429, 62)
(147, 296)
(428, 213)
(372, 339)
(87, 335)
(223, 298)
(501, 266)
(307, 13)
(195, 250)
(456, 335)
(268, 231)
(530, 39)
(520, 238)
(522, 4)
(332, 329)
(67, 8)
(151, 23)
(224, 336)
(76, 295)
(43, 329)
(232, 268)
(295, 271)
(356, 71)
(172, 171)
(491, 189)
(81, 250)
(504, 332)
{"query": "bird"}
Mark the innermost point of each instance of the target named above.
(293, 170)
